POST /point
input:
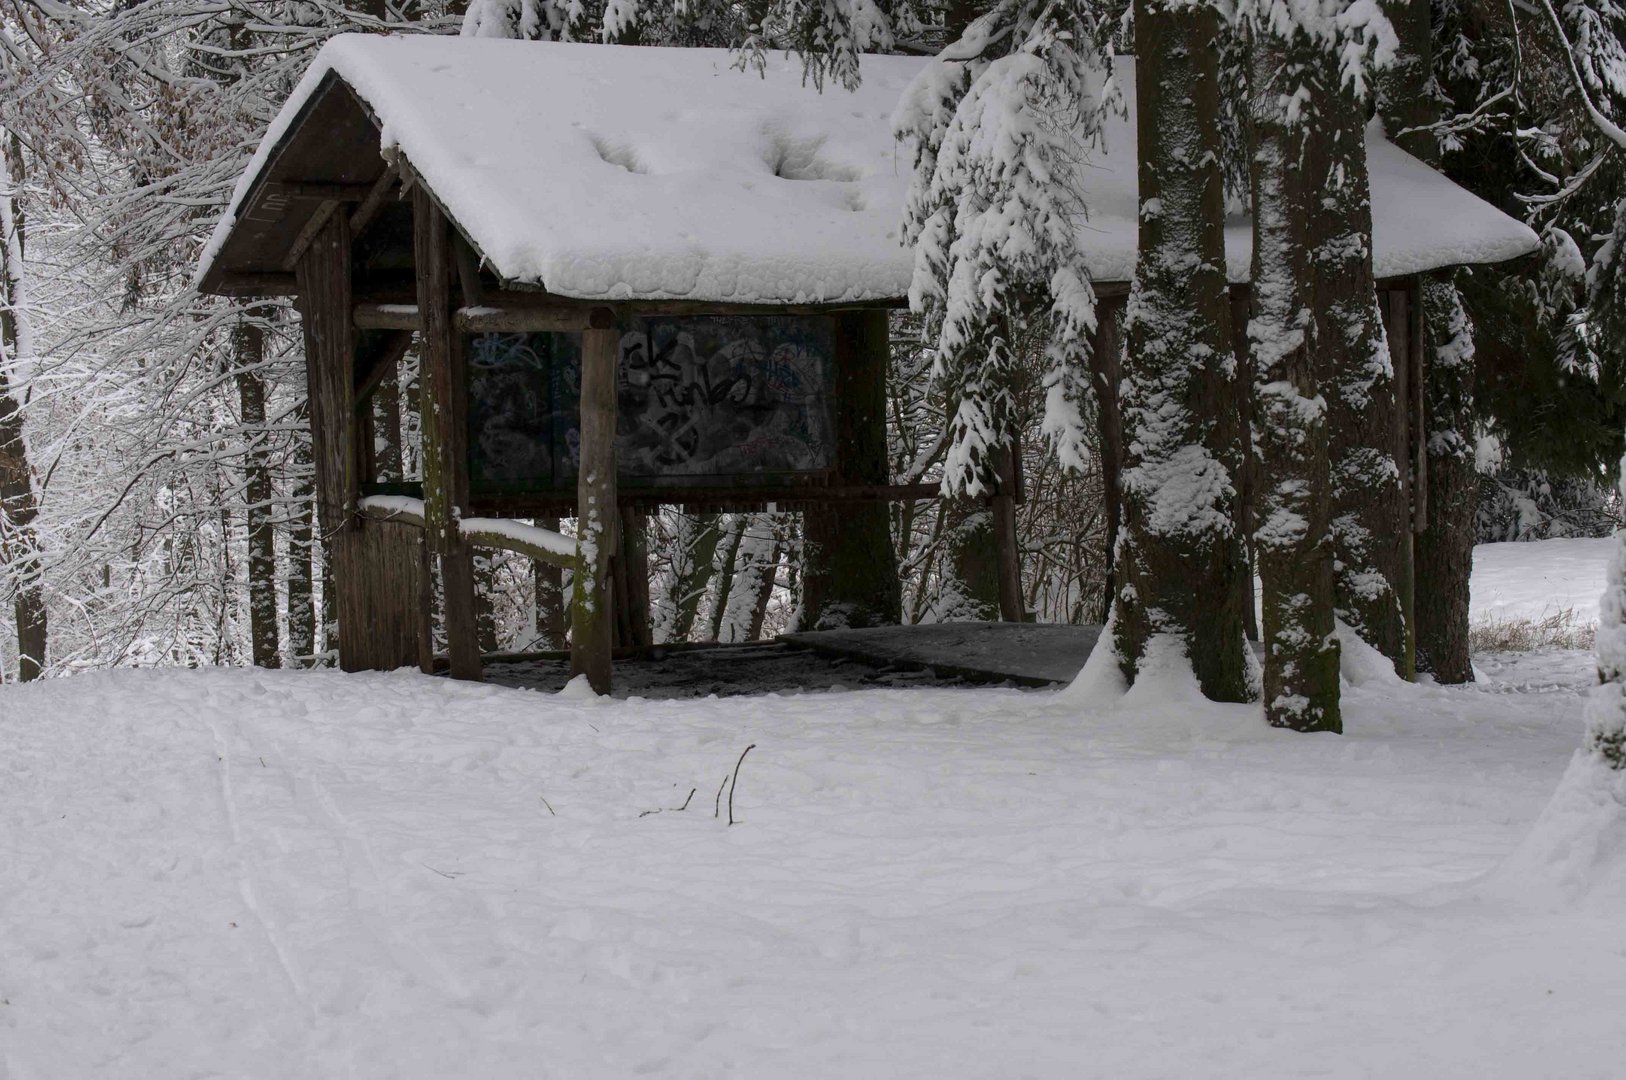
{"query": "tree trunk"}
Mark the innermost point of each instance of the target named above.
(301, 560)
(727, 560)
(19, 502)
(248, 345)
(633, 623)
(485, 603)
(1180, 561)
(756, 562)
(330, 608)
(1445, 547)
(694, 552)
(970, 577)
(1409, 104)
(1106, 363)
(1291, 539)
(851, 572)
(1370, 520)
(386, 410)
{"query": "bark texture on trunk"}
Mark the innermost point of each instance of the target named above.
(970, 589)
(694, 552)
(1180, 566)
(19, 501)
(1370, 518)
(248, 349)
(755, 569)
(1291, 540)
(302, 560)
(1106, 370)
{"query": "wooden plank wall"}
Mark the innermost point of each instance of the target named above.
(376, 572)
(388, 599)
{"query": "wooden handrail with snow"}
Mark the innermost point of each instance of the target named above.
(543, 545)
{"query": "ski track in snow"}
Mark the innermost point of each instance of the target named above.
(273, 874)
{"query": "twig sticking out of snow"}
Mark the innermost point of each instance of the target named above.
(658, 809)
(736, 782)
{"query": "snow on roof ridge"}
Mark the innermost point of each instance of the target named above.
(638, 172)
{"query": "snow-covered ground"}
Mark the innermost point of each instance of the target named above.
(262, 874)
(1539, 580)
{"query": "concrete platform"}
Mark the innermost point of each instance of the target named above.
(1029, 654)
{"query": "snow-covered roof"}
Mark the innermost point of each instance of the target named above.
(611, 172)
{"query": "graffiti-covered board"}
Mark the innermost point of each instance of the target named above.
(736, 399)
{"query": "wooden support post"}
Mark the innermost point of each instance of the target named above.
(445, 432)
(592, 608)
(376, 569)
(851, 568)
(1399, 322)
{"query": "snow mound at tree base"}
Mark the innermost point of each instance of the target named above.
(1575, 855)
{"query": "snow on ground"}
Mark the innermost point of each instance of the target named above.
(1541, 579)
(240, 873)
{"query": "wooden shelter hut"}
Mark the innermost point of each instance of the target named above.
(635, 276)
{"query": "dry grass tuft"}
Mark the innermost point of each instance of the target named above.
(1561, 630)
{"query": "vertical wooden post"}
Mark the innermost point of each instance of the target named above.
(1106, 360)
(592, 608)
(323, 276)
(1399, 318)
(850, 574)
(445, 431)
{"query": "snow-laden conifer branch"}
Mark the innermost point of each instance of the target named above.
(999, 126)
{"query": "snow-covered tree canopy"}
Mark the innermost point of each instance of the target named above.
(1000, 125)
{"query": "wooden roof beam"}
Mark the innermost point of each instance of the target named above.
(255, 284)
(319, 192)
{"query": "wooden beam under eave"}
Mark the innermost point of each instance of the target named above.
(478, 320)
(318, 192)
(373, 201)
(444, 395)
(269, 283)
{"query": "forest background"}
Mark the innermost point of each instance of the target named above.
(155, 476)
